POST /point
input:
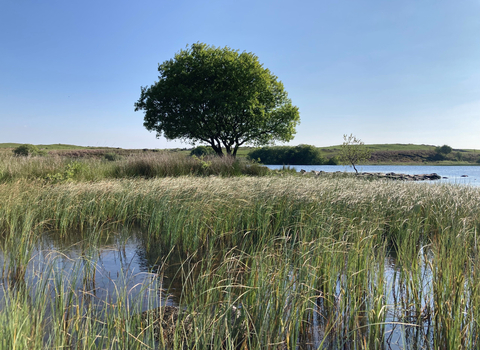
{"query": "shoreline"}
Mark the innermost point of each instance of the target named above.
(377, 175)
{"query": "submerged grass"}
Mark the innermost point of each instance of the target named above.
(271, 262)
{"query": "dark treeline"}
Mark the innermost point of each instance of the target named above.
(291, 155)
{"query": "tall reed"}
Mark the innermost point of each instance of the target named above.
(56, 168)
(270, 261)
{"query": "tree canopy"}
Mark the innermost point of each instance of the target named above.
(219, 97)
(445, 149)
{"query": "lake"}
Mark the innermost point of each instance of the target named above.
(449, 174)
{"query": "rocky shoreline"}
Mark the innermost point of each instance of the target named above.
(392, 176)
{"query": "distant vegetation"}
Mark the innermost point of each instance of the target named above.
(56, 146)
(445, 149)
(291, 155)
(27, 150)
(90, 165)
(380, 154)
(202, 151)
(406, 154)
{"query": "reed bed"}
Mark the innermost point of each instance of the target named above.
(269, 262)
(57, 168)
(227, 209)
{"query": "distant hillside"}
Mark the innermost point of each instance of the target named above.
(47, 147)
(410, 154)
(73, 151)
(381, 153)
(62, 149)
(397, 147)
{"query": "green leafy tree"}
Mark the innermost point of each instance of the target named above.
(219, 97)
(444, 150)
(353, 151)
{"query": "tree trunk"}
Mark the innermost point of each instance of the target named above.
(356, 171)
(234, 154)
(218, 149)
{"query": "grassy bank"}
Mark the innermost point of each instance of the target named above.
(58, 168)
(307, 261)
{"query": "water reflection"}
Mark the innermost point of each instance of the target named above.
(117, 268)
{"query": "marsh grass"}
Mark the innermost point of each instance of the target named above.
(57, 168)
(301, 259)
(59, 308)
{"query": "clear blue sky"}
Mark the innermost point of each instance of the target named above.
(389, 71)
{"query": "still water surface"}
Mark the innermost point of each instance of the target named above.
(124, 268)
(450, 174)
(116, 266)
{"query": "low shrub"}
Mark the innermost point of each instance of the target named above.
(202, 151)
(296, 155)
(167, 164)
(332, 161)
(68, 174)
(112, 156)
(27, 150)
